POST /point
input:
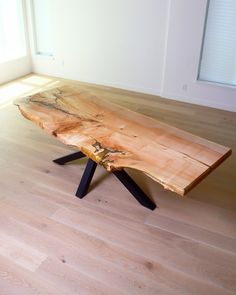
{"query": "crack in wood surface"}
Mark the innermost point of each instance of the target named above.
(102, 155)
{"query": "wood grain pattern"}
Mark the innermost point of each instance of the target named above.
(117, 138)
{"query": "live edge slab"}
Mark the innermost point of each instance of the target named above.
(117, 138)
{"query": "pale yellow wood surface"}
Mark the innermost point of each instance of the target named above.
(109, 244)
(117, 138)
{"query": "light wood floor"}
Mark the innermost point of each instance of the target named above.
(54, 243)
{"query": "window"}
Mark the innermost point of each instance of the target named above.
(41, 13)
(218, 60)
(12, 34)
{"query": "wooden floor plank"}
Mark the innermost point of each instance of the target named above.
(20, 253)
(70, 280)
(103, 260)
(209, 217)
(158, 249)
(15, 280)
(193, 232)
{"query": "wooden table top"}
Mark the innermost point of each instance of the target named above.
(116, 137)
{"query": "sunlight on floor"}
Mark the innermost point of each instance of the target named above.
(11, 91)
(23, 87)
(36, 80)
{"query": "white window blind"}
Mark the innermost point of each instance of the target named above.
(42, 26)
(12, 34)
(218, 61)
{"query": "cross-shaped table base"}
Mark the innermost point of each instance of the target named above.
(123, 176)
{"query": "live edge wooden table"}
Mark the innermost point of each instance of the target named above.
(118, 138)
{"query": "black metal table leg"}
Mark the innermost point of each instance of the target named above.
(135, 190)
(69, 158)
(124, 178)
(86, 178)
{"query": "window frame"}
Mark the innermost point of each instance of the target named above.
(199, 79)
(34, 34)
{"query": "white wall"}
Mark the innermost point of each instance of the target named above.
(186, 25)
(112, 42)
(150, 46)
(15, 68)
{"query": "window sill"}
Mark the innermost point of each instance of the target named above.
(205, 82)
